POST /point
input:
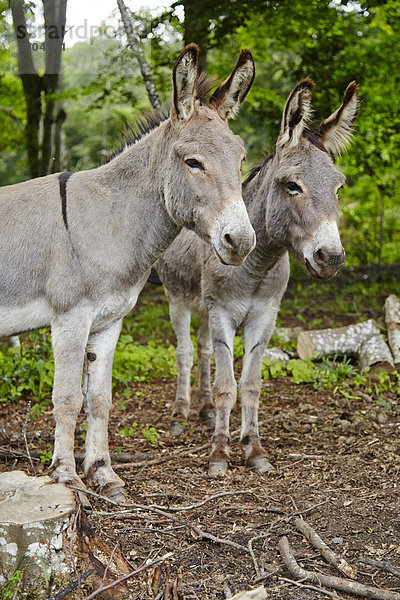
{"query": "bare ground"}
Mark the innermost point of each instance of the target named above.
(337, 463)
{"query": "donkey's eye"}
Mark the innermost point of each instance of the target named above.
(194, 164)
(293, 188)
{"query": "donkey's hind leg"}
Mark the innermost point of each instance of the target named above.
(98, 396)
(69, 333)
(180, 318)
(204, 352)
(257, 333)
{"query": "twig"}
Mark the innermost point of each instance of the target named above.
(252, 553)
(217, 540)
(164, 513)
(381, 564)
(309, 587)
(163, 459)
(72, 586)
(337, 583)
(26, 439)
(192, 506)
(334, 559)
(307, 510)
(128, 576)
(5, 453)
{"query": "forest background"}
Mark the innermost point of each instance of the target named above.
(101, 90)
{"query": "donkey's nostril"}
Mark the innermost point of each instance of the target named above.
(229, 241)
(325, 257)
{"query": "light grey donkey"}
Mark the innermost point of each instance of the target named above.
(76, 249)
(292, 201)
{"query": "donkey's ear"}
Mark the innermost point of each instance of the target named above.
(296, 113)
(228, 97)
(184, 78)
(335, 131)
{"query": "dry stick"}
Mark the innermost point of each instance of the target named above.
(163, 459)
(309, 587)
(127, 577)
(72, 586)
(334, 559)
(252, 553)
(192, 506)
(381, 564)
(163, 513)
(26, 439)
(337, 583)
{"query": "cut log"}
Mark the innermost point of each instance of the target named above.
(41, 528)
(340, 341)
(287, 334)
(375, 353)
(277, 354)
(392, 319)
(255, 594)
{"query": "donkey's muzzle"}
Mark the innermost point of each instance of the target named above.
(326, 262)
(232, 235)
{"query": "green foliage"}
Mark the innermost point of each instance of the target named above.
(28, 370)
(152, 436)
(134, 362)
(10, 590)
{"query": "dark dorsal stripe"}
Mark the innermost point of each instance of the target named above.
(62, 179)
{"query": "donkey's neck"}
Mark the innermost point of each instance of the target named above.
(135, 181)
(256, 196)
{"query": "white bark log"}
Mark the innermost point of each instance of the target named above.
(287, 334)
(256, 594)
(340, 341)
(374, 352)
(277, 354)
(392, 319)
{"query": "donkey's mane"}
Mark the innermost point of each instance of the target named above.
(143, 125)
(309, 134)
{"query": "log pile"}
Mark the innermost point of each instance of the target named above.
(363, 341)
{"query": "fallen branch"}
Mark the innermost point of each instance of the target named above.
(309, 587)
(385, 565)
(334, 559)
(337, 583)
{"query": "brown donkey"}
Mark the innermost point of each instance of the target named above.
(77, 248)
(292, 201)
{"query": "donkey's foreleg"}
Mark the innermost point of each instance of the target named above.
(98, 397)
(225, 390)
(204, 352)
(257, 333)
(69, 333)
(180, 318)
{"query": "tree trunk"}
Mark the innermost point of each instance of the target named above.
(197, 29)
(40, 91)
(135, 45)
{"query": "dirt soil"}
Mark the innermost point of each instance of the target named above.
(337, 462)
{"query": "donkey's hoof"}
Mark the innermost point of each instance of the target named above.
(117, 494)
(217, 468)
(207, 417)
(177, 428)
(261, 465)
